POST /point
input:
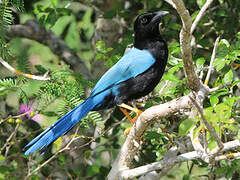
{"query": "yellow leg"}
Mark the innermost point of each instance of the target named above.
(123, 107)
(137, 111)
(126, 114)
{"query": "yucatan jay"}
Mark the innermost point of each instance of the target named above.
(135, 75)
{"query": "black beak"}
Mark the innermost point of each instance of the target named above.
(159, 15)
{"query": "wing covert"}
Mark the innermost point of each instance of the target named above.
(133, 63)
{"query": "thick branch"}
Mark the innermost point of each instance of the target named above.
(132, 143)
(32, 30)
(185, 41)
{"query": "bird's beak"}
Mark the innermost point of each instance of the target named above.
(159, 15)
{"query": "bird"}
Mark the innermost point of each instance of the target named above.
(135, 75)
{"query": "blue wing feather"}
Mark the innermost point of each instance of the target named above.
(133, 63)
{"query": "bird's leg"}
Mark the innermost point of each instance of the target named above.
(123, 108)
(137, 111)
(126, 114)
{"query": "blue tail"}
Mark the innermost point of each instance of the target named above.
(63, 125)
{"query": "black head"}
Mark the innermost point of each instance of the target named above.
(147, 25)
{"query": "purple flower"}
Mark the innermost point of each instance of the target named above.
(30, 108)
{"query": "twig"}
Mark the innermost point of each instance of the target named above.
(212, 60)
(164, 86)
(132, 173)
(208, 126)
(200, 14)
(14, 117)
(10, 68)
(220, 87)
(6, 145)
(52, 157)
(196, 142)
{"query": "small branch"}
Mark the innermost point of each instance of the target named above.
(14, 117)
(200, 14)
(212, 61)
(10, 68)
(67, 147)
(32, 30)
(7, 144)
(196, 143)
(208, 126)
(164, 86)
(130, 174)
(220, 87)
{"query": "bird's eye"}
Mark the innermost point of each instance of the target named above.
(144, 20)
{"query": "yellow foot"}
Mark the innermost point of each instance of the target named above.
(126, 132)
(123, 108)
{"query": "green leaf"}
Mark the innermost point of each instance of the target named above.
(238, 35)
(2, 158)
(228, 77)
(221, 170)
(57, 144)
(35, 177)
(214, 100)
(185, 126)
(100, 46)
(212, 144)
(200, 62)
(201, 3)
(170, 76)
(219, 63)
(51, 18)
(92, 170)
(224, 41)
(64, 11)
(54, 3)
(73, 37)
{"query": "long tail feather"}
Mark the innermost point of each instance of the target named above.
(63, 125)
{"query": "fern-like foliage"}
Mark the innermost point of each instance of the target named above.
(23, 63)
(63, 86)
(18, 4)
(8, 84)
(6, 19)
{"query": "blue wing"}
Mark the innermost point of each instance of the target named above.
(133, 63)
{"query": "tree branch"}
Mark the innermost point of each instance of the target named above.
(212, 60)
(32, 30)
(185, 42)
(200, 14)
(129, 174)
(31, 76)
(132, 143)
